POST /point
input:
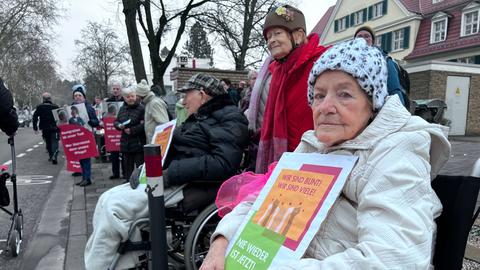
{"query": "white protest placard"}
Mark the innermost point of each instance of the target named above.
(289, 210)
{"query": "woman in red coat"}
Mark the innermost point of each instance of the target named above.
(287, 114)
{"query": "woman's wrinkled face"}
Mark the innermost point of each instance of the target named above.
(131, 98)
(341, 109)
(193, 99)
(279, 42)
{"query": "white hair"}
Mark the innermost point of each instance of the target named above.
(128, 90)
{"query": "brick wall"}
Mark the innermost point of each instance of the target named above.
(432, 84)
(181, 75)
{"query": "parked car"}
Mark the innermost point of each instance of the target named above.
(24, 118)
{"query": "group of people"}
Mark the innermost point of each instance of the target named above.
(345, 99)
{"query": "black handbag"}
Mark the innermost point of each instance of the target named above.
(4, 197)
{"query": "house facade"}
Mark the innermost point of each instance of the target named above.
(436, 41)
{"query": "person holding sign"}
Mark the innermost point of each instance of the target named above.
(130, 122)
(112, 112)
(384, 216)
(79, 97)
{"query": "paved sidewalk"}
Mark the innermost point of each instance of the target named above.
(83, 206)
(465, 151)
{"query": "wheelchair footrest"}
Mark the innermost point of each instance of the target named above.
(133, 246)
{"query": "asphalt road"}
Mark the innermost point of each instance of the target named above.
(35, 178)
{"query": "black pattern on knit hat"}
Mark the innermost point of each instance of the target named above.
(79, 88)
(207, 83)
(365, 63)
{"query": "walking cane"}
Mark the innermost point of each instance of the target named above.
(156, 206)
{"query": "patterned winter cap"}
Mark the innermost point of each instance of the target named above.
(365, 63)
(207, 83)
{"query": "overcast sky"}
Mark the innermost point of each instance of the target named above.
(78, 12)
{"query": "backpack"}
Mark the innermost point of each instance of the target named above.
(403, 77)
(4, 197)
(404, 80)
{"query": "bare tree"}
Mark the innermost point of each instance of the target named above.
(130, 10)
(237, 24)
(102, 55)
(26, 61)
(155, 32)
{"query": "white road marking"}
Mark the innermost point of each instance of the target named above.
(21, 155)
(40, 143)
(29, 150)
(8, 162)
(35, 146)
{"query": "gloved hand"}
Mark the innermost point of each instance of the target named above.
(135, 177)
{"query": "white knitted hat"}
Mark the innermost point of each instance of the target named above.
(365, 63)
(142, 88)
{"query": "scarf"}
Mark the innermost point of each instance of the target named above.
(287, 113)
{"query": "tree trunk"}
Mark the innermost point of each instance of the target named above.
(129, 9)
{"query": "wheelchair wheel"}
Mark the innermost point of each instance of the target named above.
(19, 225)
(198, 238)
(14, 243)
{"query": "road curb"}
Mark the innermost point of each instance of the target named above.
(47, 249)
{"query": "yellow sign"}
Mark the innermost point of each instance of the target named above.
(457, 92)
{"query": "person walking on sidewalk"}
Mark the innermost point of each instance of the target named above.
(155, 109)
(115, 155)
(130, 120)
(86, 164)
(47, 125)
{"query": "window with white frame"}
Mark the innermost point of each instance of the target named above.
(439, 30)
(377, 10)
(470, 22)
(436, 1)
(342, 24)
(358, 17)
(467, 60)
(378, 41)
(397, 40)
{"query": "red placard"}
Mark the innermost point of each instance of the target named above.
(73, 166)
(78, 143)
(112, 135)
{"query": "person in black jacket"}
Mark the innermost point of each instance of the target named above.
(115, 155)
(47, 126)
(130, 120)
(208, 146)
(86, 164)
(9, 119)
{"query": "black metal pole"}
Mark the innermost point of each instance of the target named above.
(156, 206)
(13, 177)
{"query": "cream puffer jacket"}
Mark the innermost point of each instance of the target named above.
(155, 114)
(384, 218)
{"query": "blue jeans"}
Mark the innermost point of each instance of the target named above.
(86, 165)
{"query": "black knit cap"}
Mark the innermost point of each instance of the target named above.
(286, 17)
(80, 90)
(368, 29)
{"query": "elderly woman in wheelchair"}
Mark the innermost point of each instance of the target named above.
(208, 146)
(385, 215)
